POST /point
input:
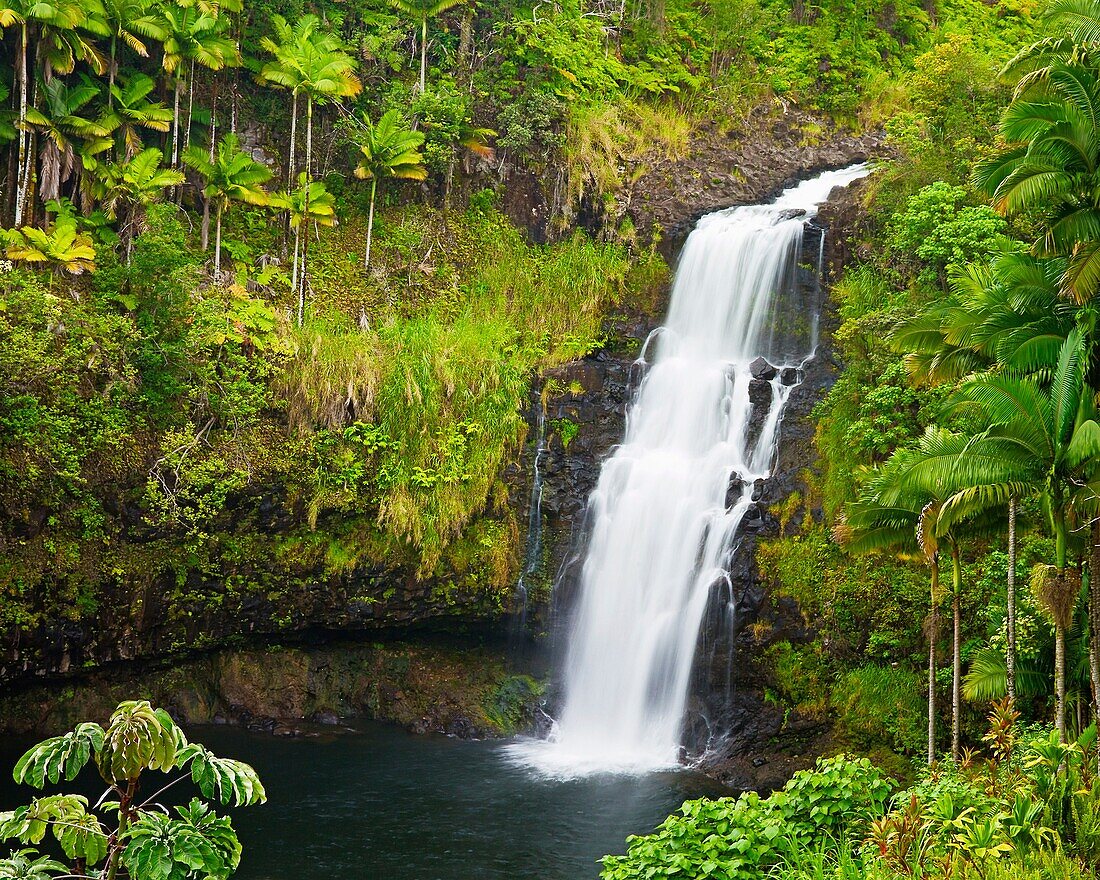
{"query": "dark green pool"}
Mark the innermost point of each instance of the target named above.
(381, 804)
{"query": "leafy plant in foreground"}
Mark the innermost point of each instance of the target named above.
(142, 839)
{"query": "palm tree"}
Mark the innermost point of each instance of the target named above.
(308, 61)
(131, 22)
(63, 127)
(58, 26)
(1051, 165)
(1004, 315)
(61, 35)
(387, 149)
(1042, 436)
(128, 188)
(64, 248)
(130, 111)
(420, 11)
(904, 527)
(932, 470)
(309, 203)
(231, 176)
(14, 12)
(191, 37)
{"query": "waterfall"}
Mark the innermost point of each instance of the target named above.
(664, 516)
(533, 552)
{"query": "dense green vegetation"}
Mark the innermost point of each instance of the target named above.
(265, 322)
(1029, 808)
(259, 252)
(959, 450)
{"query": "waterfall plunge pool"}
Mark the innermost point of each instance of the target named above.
(382, 804)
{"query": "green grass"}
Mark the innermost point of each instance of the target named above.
(441, 372)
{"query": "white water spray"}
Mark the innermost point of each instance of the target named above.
(669, 502)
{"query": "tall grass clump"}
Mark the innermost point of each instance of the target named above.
(416, 412)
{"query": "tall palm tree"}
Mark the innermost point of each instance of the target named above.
(1006, 315)
(192, 37)
(128, 188)
(231, 176)
(309, 203)
(131, 111)
(58, 27)
(904, 527)
(14, 12)
(311, 62)
(1042, 437)
(932, 470)
(420, 11)
(63, 127)
(387, 149)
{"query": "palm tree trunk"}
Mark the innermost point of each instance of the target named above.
(128, 233)
(933, 635)
(1010, 647)
(370, 221)
(303, 270)
(1094, 617)
(1061, 542)
(20, 185)
(466, 37)
(214, 114)
(111, 74)
(176, 126)
(309, 138)
(1060, 679)
(956, 648)
(205, 224)
(190, 104)
(293, 140)
(423, 54)
(294, 277)
(218, 245)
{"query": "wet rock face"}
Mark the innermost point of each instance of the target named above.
(427, 687)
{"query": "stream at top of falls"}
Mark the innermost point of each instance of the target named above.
(663, 520)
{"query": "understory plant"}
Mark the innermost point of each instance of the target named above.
(121, 834)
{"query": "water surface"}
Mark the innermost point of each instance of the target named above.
(381, 804)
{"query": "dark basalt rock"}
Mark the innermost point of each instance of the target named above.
(761, 369)
(735, 490)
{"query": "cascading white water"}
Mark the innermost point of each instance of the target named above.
(669, 501)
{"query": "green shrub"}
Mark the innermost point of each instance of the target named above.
(514, 702)
(741, 838)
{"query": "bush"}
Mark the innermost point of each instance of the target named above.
(741, 838)
(141, 840)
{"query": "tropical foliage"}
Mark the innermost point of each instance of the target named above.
(125, 832)
(1028, 808)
